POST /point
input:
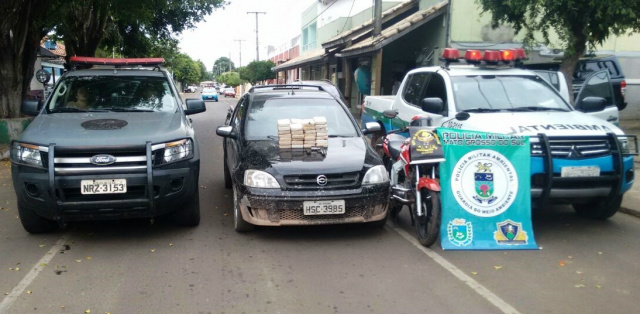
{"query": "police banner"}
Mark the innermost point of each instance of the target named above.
(486, 191)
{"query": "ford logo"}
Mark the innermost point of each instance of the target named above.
(103, 160)
(322, 180)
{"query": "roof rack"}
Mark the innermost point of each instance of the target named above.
(117, 61)
(287, 87)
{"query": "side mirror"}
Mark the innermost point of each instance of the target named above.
(432, 105)
(31, 107)
(591, 104)
(225, 131)
(195, 106)
(390, 113)
(371, 127)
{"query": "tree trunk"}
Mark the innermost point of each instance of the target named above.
(574, 51)
(19, 41)
(86, 22)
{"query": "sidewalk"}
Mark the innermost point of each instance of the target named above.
(630, 203)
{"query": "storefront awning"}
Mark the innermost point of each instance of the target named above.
(393, 32)
(308, 58)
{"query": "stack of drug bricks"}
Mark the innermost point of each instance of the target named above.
(302, 133)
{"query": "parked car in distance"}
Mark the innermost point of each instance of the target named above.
(209, 94)
(229, 92)
(589, 65)
(190, 89)
(275, 184)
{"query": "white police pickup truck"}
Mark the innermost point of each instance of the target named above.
(576, 158)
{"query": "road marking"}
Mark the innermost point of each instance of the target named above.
(477, 287)
(31, 275)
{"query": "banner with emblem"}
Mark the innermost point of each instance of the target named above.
(486, 191)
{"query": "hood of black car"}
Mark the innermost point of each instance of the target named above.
(341, 155)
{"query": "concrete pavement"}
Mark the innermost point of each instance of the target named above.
(631, 200)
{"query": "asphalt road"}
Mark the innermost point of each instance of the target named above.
(584, 266)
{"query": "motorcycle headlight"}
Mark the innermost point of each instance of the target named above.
(377, 174)
(260, 179)
(27, 153)
(173, 151)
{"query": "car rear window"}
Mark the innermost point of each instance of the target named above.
(114, 93)
(263, 115)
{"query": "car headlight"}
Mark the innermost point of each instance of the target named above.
(173, 151)
(377, 174)
(260, 179)
(27, 153)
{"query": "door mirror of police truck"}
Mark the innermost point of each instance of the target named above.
(225, 131)
(591, 104)
(390, 113)
(371, 127)
(195, 106)
(31, 107)
(432, 105)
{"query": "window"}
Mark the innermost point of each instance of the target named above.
(413, 89)
(504, 92)
(103, 93)
(263, 115)
(435, 88)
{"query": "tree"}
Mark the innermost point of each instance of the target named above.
(204, 74)
(185, 70)
(257, 71)
(230, 78)
(134, 28)
(581, 25)
(223, 64)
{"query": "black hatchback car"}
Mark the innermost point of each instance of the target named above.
(339, 180)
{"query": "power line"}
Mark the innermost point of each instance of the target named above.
(327, 8)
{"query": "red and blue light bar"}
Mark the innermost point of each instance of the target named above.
(116, 61)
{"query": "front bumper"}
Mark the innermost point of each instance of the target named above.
(274, 207)
(149, 194)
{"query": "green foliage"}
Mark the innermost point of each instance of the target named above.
(257, 71)
(230, 78)
(580, 24)
(223, 64)
(185, 70)
(204, 74)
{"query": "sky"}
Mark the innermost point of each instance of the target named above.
(216, 36)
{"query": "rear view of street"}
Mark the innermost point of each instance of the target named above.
(583, 266)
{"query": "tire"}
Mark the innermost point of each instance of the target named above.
(189, 214)
(33, 223)
(239, 224)
(227, 174)
(601, 209)
(428, 226)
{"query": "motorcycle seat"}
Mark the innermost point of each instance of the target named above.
(395, 142)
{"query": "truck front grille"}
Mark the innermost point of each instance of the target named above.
(573, 148)
(334, 181)
(71, 162)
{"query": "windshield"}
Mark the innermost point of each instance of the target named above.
(109, 93)
(262, 119)
(505, 93)
(209, 91)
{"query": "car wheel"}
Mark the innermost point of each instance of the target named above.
(239, 224)
(601, 209)
(189, 214)
(227, 174)
(33, 223)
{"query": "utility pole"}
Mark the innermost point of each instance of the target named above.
(240, 53)
(257, 45)
(377, 18)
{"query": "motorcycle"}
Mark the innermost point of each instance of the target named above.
(413, 170)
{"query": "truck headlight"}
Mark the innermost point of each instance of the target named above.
(624, 146)
(260, 179)
(173, 151)
(377, 174)
(26, 153)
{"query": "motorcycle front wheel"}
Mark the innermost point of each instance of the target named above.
(428, 226)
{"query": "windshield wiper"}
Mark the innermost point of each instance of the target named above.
(481, 110)
(117, 109)
(66, 109)
(533, 108)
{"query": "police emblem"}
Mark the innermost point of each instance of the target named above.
(484, 183)
(425, 141)
(460, 232)
(510, 232)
